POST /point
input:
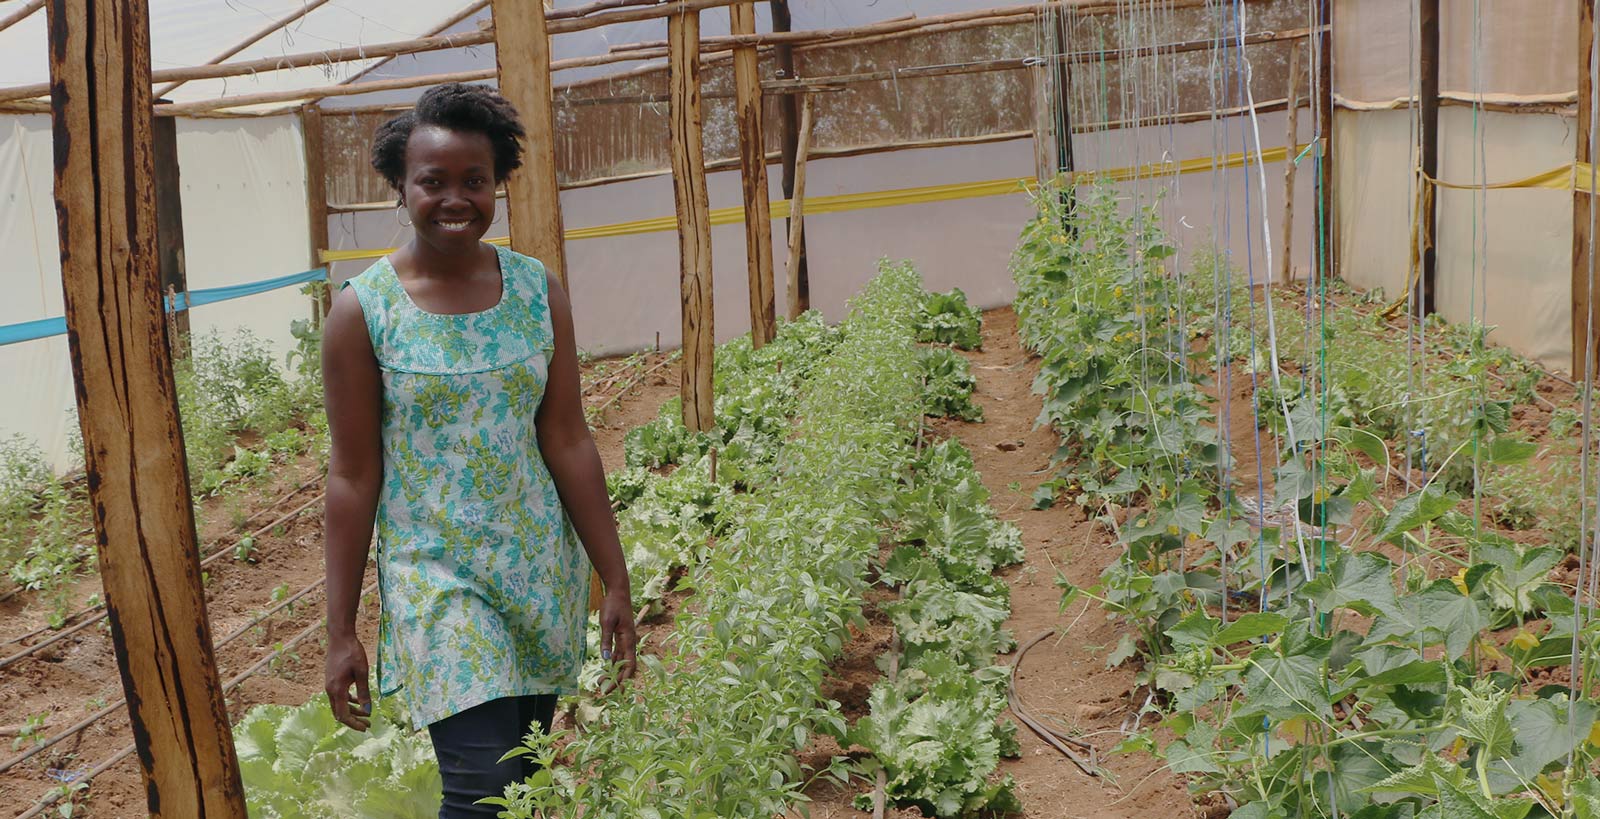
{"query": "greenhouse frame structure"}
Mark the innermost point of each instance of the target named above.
(119, 268)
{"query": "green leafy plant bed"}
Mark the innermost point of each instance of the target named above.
(1360, 639)
(711, 727)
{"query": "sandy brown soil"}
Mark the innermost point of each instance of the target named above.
(77, 676)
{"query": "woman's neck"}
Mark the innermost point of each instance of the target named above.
(425, 260)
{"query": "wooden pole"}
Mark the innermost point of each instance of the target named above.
(311, 132)
(390, 49)
(533, 197)
(1065, 163)
(694, 221)
(261, 34)
(169, 226)
(23, 12)
(798, 299)
(1584, 322)
(1428, 65)
(799, 283)
(127, 408)
(1043, 165)
(753, 175)
(1327, 214)
(1286, 268)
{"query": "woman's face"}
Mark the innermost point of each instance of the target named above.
(449, 187)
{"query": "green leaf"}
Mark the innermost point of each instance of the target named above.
(1367, 443)
(1360, 581)
(1181, 758)
(1456, 802)
(1421, 779)
(1413, 511)
(1282, 687)
(1506, 451)
(1198, 630)
(1251, 626)
(1438, 614)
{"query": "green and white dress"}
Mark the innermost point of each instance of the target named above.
(483, 585)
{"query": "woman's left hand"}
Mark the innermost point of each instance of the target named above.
(618, 639)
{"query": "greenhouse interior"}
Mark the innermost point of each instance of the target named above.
(1059, 408)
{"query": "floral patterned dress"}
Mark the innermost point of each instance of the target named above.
(482, 582)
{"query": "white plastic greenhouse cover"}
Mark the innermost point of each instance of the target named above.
(191, 32)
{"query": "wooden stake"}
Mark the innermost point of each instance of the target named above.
(1327, 215)
(1043, 164)
(1289, 166)
(797, 217)
(1583, 211)
(316, 192)
(1428, 64)
(127, 408)
(753, 175)
(789, 146)
(169, 228)
(694, 220)
(533, 197)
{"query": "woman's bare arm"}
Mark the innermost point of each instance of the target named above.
(569, 451)
(353, 392)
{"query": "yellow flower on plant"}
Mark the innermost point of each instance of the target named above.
(1594, 734)
(1525, 640)
(1460, 579)
(1117, 292)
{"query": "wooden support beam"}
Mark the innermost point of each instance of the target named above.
(391, 49)
(1428, 67)
(1585, 321)
(311, 133)
(1291, 144)
(1327, 215)
(256, 37)
(169, 226)
(799, 298)
(799, 283)
(22, 12)
(127, 408)
(1044, 164)
(753, 176)
(533, 200)
(693, 206)
(1066, 163)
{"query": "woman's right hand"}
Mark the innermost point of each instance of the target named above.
(347, 668)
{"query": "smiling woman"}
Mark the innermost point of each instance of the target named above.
(453, 407)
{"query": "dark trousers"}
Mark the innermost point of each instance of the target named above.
(469, 746)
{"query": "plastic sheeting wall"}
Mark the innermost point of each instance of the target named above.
(625, 289)
(1504, 258)
(244, 218)
(37, 402)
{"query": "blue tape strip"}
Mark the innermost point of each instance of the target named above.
(45, 328)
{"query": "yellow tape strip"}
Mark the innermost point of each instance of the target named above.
(1573, 176)
(882, 199)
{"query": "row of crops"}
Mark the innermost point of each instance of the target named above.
(1364, 606)
(818, 473)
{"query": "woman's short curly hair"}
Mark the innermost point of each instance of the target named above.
(458, 107)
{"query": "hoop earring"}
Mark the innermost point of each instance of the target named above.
(399, 211)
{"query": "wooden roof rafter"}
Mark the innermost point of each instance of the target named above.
(443, 26)
(271, 28)
(27, 9)
(559, 25)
